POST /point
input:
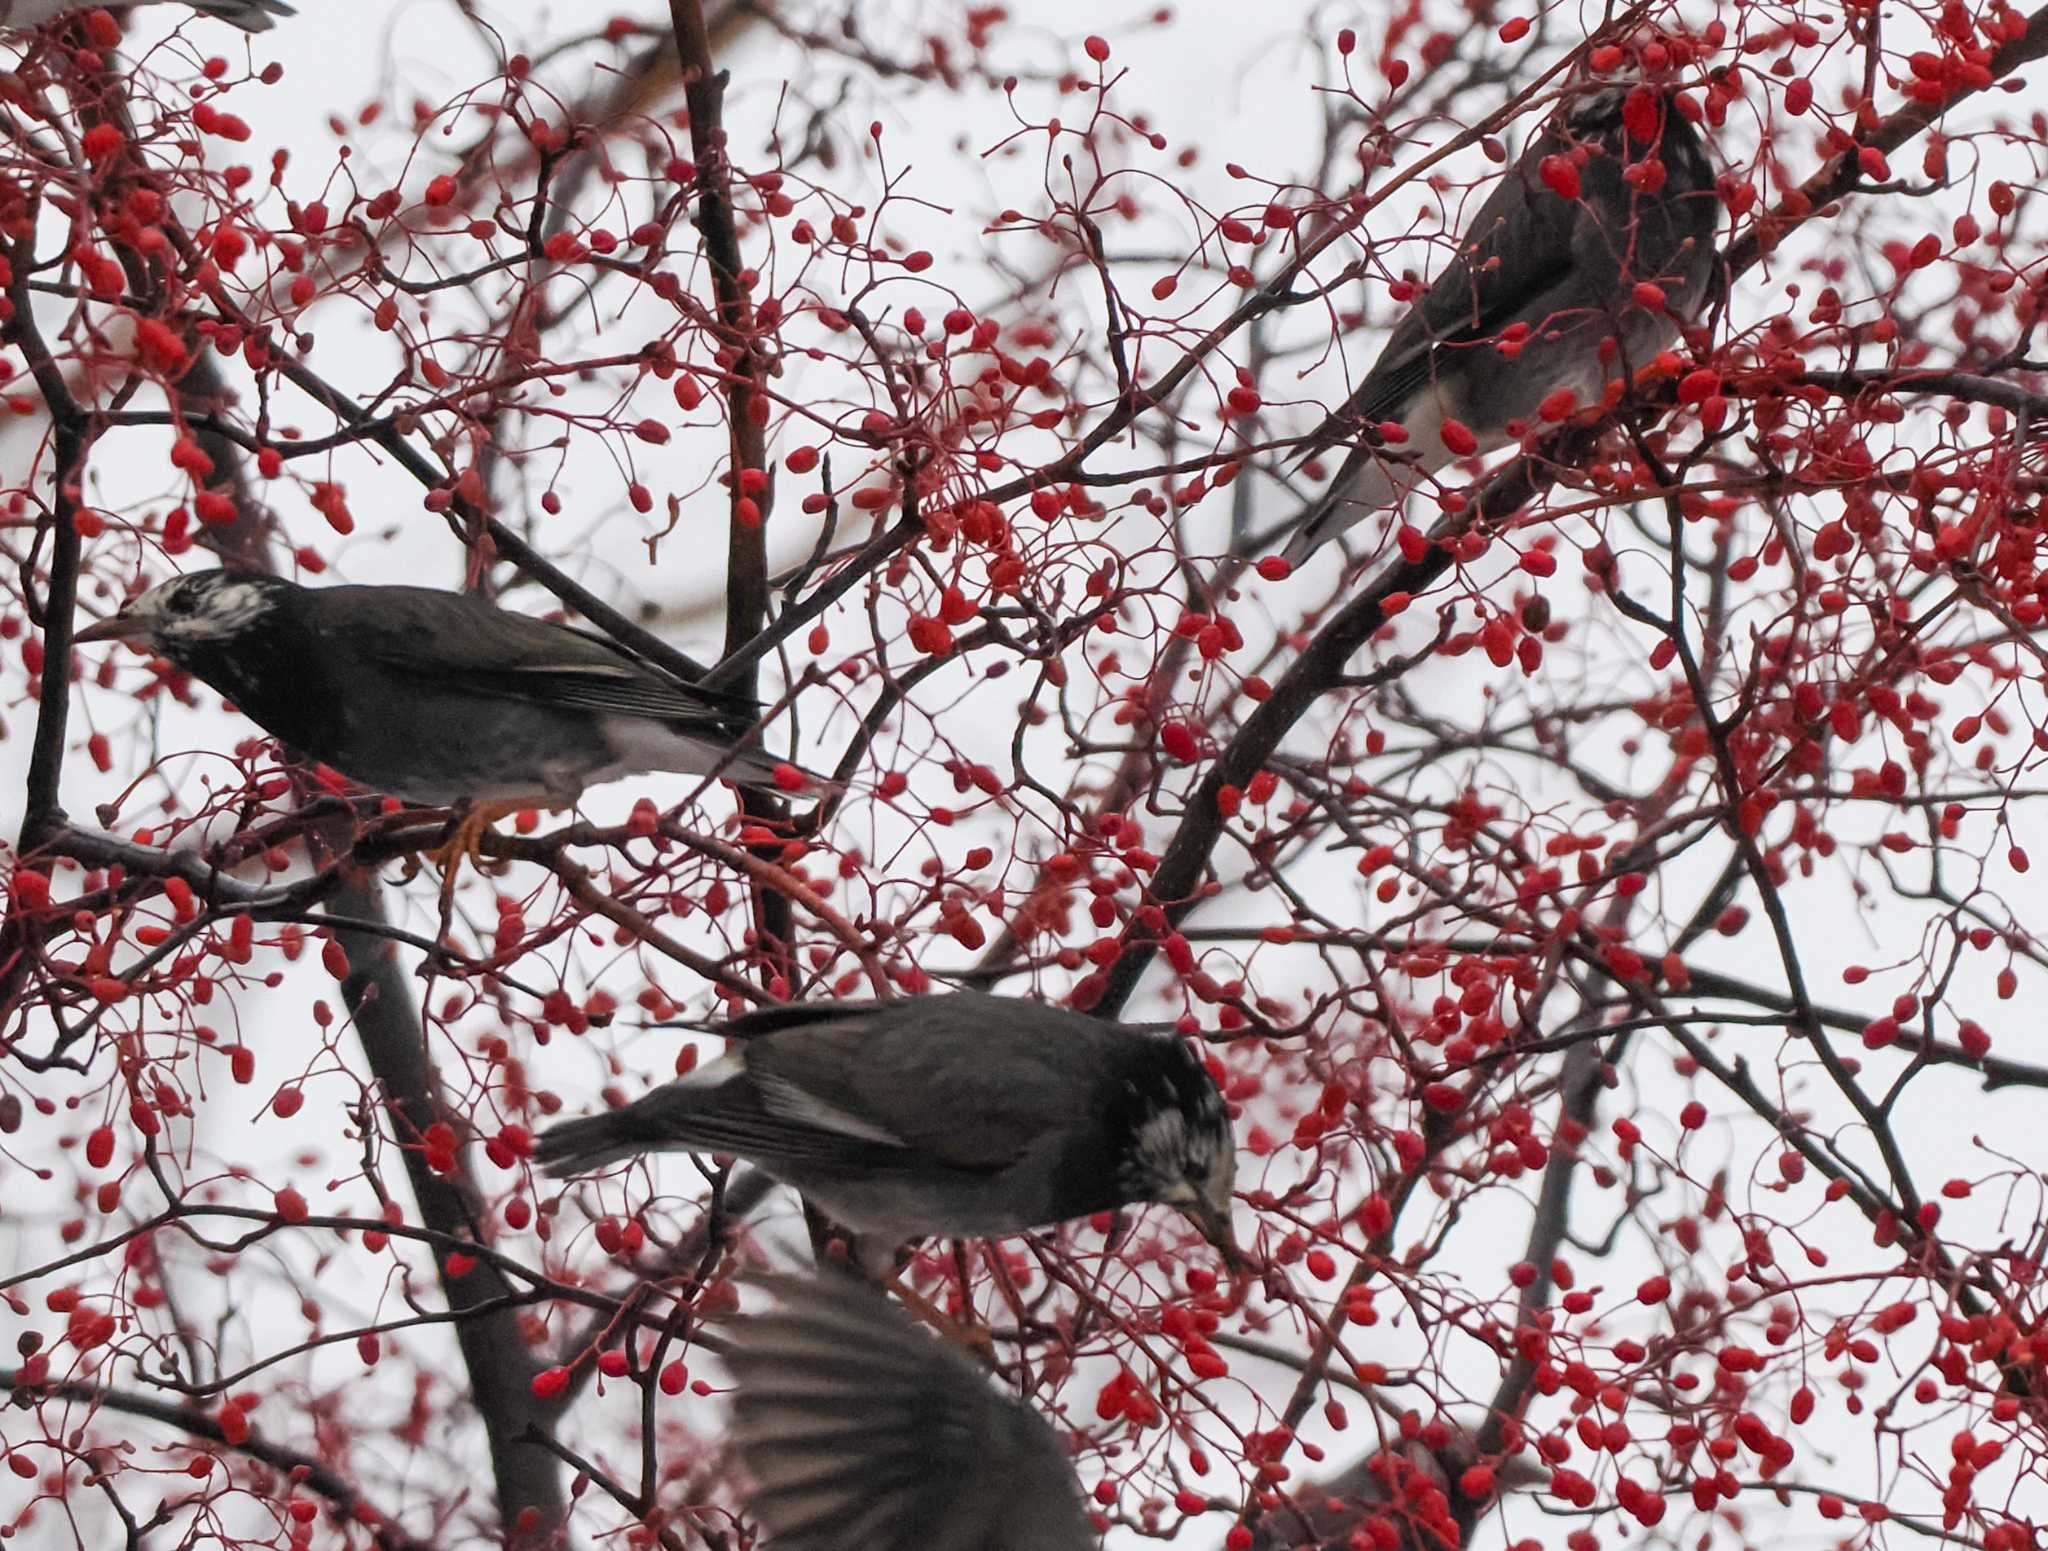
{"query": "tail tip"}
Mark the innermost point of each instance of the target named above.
(561, 1153)
(1307, 539)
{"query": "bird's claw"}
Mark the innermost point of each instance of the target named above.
(465, 842)
(975, 1338)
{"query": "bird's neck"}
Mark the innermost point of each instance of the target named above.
(274, 676)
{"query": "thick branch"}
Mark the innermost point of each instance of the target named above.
(531, 1504)
(1972, 387)
(746, 577)
(42, 812)
(746, 585)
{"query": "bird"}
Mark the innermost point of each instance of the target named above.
(437, 697)
(1555, 286)
(249, 15)
(961, 1114)
(864, 1433)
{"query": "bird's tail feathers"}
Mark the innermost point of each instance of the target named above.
(753, 765)
(592, 1143)
(584, 1146)
(651, 1123)
(1367, 483)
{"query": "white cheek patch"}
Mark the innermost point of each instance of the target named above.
(223, 610)
(1162, 1143)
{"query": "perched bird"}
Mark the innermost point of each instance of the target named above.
(1550, 289)
(864, 1433)
(249, 15)
(436, 697)
(965, 1115)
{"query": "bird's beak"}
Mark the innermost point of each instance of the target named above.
(121, 627)
(1215, 1225)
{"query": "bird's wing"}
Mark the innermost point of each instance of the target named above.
(461, 642)
(793, 1102)
(722, 1109)
(1511, 256)
(965, 1081)
(783, 1083)
(790, 1015)
(862, 1431)
(753, 1114)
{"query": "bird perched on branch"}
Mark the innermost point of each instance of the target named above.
(864, 1433)
(437, 697)
(1582, 264)
(965, 1115)
(249, 15)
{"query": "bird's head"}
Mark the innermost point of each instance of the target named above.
(1179, 1150)
(1653, 65)
(1629, 109)
(189, 612)
(1661, 57)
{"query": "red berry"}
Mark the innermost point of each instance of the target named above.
(550, 1382)
(1559, 176)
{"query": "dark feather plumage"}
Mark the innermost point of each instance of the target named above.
(437, 696)
(962, 1114)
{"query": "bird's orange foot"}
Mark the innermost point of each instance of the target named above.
(465, 840)
(975, 1338)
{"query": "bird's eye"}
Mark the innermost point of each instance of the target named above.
(181, 603)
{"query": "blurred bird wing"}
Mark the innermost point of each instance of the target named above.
(461, 642)
(862, 1431)
(1513, 254)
